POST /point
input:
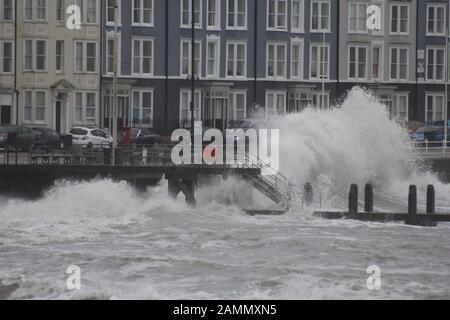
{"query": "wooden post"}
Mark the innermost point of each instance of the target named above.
(368, 198)
(308, 194)
(431, 200)
(353, 199)
(412, 200)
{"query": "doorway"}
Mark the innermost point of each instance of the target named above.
(5, 115)
(60, 114)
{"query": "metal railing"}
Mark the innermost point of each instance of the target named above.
(431, 149)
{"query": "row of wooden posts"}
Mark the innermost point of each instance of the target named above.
(412, 199)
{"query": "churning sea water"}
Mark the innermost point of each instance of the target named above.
(132, 245)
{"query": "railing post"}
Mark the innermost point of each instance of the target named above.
(431, 199)
(412, 200)
(353, 199)
(368, 198)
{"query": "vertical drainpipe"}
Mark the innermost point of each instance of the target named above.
(416, 48)
(337, 48)
(166, 84)
(255, 57)
(16, 38)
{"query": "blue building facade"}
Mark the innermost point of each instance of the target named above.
(274, 56)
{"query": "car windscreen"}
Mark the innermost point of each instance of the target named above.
(78, 132)
(147, 132)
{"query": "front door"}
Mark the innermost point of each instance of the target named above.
(5, 115)
(58, 116)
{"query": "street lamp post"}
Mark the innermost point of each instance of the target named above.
(192, 65)
(114, 100)
(323, 69)
(446, 92)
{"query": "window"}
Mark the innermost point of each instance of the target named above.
(275, 103)
(320, 16)
(357, 63)
(276, 15)
(297, 13)
(297, 59)
(236, 59)
(276, 60)
(6, 10)
(185, 107)
(59, 56)
(357, 21)
(110, 11)
(143, 12)
(319, 66)
(35, 10)
(435, 63)
(213, 18)
(35, 105)
(85, 107)
(142, 108)
(59, 11)
(186, 13)
(399, 107)
(142, 56)
(35, 55)
(85, 56)
(435, 108)
(6, 56)
(236, 14)
(238, 102)
(399, 64)
(321, 100)
(110, 49)
(299, 101)
(400, 19)
(377, 62)
(186, 58)
(435, 20)
(212, 58)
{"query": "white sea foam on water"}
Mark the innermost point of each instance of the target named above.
(146, 245)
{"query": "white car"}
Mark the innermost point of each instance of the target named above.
(91, 137)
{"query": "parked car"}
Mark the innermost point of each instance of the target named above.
(46, 138)
(413, 126)
(90, 137)
(431, 136)
(441, 123)
(143, 136)
(16, 137)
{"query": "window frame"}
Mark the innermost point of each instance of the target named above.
(399, 32)
(2, 12)
(328, 30)
(2, 55)
(235, 16)
(435, 7)
(141, 56)
(141, 108)
(357, 62)
(197, 42)
(276, 26)
(275, 93)
(235, 44)
(319, 45)
(189, 24)
(301, 43)
(357, 18)
(434, 95)
(215, 40)
(276, 60)
(34, 106)
(301, 28)
(435, 49)
(85, 57)
(34, 55)
(218, 16)
(141, 14)
(397, 78)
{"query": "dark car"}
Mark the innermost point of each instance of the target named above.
(46, 138)
(16, 137)
(143, 136)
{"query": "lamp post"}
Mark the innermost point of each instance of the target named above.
(323, 69)
(192, 64)
(446, 92)
(114, 100)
